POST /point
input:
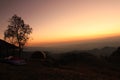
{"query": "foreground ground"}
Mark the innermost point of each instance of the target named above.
(38, 71)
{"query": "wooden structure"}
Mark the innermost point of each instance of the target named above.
(7, 49)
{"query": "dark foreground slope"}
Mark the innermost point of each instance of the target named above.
(36, 70)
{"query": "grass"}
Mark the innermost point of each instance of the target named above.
(34, 70)
(70, 66)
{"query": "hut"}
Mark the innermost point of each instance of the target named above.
(7, 49)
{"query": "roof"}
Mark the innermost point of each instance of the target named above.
(4, 44)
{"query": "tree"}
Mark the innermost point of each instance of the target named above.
(17, 32)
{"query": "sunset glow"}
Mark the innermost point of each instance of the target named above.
(63, 21)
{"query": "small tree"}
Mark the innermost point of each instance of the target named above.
(17, 32)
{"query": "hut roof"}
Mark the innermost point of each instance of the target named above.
(4, 44)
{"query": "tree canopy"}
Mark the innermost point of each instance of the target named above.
(17, 32)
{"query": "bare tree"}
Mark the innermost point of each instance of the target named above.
(17, 32)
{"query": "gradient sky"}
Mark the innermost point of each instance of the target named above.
(64, 20)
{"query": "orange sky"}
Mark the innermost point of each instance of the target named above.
(64, 20)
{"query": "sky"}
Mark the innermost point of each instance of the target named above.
(64, 21)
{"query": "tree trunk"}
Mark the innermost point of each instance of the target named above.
(20, 50)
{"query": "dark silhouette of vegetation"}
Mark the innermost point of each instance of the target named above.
(115, 56)
(76, 57)
(17, 32)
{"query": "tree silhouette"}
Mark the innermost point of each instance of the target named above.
(17, 32)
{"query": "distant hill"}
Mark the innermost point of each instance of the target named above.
(106, 51)
(82, 45)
